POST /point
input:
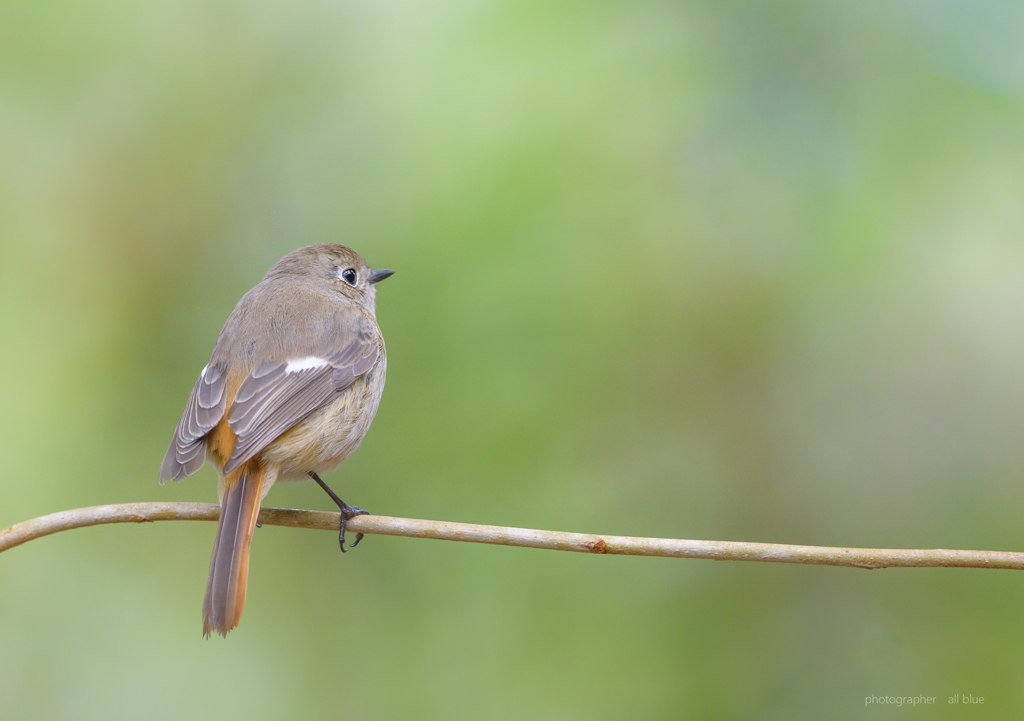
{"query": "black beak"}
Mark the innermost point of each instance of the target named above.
(378, 275)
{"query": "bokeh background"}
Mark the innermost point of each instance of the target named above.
(721, 270)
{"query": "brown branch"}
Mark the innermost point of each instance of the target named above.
(500, 535)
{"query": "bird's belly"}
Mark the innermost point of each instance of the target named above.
(328, 435)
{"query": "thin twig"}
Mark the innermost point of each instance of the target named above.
(500, 535)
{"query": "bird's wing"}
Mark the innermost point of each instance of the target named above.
(278, 394)
(203, 411)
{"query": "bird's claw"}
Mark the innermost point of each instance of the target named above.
(348, 513)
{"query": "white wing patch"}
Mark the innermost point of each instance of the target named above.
(304, 364)
(202, 373)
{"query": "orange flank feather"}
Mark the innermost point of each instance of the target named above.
(222, 440)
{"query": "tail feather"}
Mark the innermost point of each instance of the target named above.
(229, 566)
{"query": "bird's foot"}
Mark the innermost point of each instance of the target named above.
(347, 513)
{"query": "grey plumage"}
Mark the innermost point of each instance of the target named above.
(290, 314)
(291, 388)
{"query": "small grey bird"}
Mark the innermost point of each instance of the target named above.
(291, 388)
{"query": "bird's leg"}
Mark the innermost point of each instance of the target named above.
(347, 512)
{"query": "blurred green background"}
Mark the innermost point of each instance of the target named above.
(722, 270)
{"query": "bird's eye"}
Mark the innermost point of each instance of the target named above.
(349, 275)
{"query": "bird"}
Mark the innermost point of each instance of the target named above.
(289, 392)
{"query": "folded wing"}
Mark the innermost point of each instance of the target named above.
(278, 394)
(203, 411)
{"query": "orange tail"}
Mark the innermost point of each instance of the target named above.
(229, 567)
